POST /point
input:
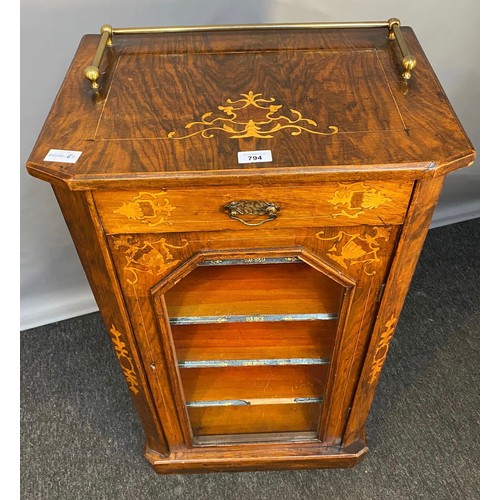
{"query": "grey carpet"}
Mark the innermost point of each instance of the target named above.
(81, 439)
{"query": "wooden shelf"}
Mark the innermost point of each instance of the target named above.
(290, 339)
(254, 419)
(250, 382)
(249, 293)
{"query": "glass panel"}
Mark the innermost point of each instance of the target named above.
(254, 345)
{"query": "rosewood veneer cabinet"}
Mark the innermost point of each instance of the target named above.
(249, 204)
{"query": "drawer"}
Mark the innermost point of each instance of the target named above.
(222, 208)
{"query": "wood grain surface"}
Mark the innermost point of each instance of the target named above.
(202, 209)
(250, 382)
(260, 419)
(254, 291)
(349, 79)
(257, 457)
(80, 216)
(405, 261)
(277, 340)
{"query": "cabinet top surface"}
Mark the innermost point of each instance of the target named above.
(181, 106)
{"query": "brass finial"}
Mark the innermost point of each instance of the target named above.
(409, 62)
(391, 22)
(107, 28)
(92, 74)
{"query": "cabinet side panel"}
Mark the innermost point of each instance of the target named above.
(92, 249)
(413, 235)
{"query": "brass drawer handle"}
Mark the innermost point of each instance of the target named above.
(252, 207)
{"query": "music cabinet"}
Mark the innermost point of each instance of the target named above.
(249, 204)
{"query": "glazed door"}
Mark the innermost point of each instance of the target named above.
(253, 336)
(252, 339)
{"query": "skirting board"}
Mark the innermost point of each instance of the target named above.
(66, 304)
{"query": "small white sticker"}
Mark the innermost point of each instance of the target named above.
(255, 156)
(62, 156)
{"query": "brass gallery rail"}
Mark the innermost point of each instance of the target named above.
(92, 72)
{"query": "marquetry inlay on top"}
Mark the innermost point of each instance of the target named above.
(252, 115)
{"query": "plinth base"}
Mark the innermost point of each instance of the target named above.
(255, 458)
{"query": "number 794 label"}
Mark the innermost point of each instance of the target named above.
(255, 156)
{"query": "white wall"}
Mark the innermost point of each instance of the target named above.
(53, 285)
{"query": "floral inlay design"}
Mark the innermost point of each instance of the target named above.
(355, 199)
(125, 360)
(252, 116)
(382, 350)
(153, 257)
(350, 249)
(150, 209)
